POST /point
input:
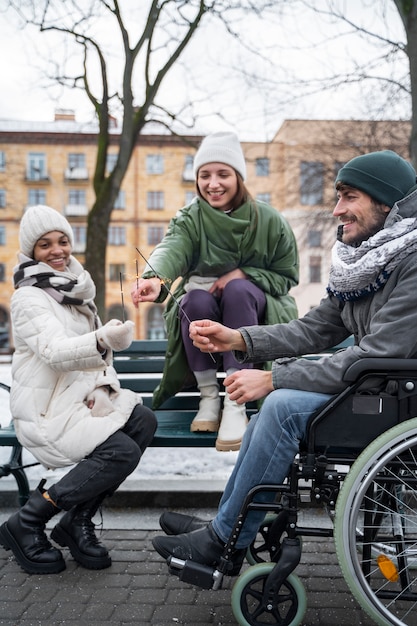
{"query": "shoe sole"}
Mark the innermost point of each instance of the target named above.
(204, 427)
(8, 542)
(228, 446)
(63, 539)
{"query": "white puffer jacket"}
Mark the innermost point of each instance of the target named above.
(55, 366)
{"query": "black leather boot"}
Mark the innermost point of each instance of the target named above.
(178, 523)
(76, 530)
(202, 546)
(24, 534)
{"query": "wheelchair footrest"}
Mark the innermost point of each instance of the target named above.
(195, 574)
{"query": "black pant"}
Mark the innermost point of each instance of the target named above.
(104, 469)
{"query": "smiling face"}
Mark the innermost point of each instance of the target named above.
(218, 185)
(54, 249)
(360, 216)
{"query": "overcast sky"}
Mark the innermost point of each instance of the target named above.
(301, 44)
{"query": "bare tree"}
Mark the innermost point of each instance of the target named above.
(408, 12)
(164, 29)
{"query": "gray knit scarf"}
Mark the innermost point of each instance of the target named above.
(72, 287)
(357, 272)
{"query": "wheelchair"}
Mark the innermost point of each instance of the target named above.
(359, 460)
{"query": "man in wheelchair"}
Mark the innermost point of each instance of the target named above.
(372, 295)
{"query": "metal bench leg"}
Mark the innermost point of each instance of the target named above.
(14, 467)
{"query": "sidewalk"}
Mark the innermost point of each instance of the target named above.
(137, 589)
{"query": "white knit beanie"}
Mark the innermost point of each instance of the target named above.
(37, 221)
(221, 147)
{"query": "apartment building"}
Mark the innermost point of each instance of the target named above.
(53, 163)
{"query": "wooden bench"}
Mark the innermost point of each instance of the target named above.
(139, 368)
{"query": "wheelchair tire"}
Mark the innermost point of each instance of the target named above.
(375, 527)
(289, 605)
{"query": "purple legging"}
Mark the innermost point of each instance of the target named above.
(241, 304)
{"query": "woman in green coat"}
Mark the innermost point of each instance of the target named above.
(237, 259)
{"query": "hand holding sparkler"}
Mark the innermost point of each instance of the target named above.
(145, 290)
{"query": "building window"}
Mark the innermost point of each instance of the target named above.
(80, 238)
(156, 326)
(120, 202)
(2, 198)
(117, 312)
(338, 166)
(36, 167)
(264, 197)
(117, 236)
(111, 162)
(76, 160)
(4, 329)
(115, 269)
(76, 196)
(2, 161)
(189, 197)
(262, 167)
(311, 183)
(154, 164)
(155, 200)
(314, 238)
(155, 235)
(188, 171)
(2, 272)
(2, 235)
(36, 196)
(315, 269)
(76, 169)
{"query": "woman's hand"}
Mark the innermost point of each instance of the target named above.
(248, 384)
(218, 286)
(211, 336)
(145, 290)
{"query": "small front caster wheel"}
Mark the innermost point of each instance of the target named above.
(286, 608)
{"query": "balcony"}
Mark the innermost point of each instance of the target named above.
(35, 176)
(72, 210)
(76, 173)
(188, 175)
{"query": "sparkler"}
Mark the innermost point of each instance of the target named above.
(122, 297)
(177, 302)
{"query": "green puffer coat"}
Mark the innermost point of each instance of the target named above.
(203, 241)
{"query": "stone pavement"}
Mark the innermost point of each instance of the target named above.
(137, 589)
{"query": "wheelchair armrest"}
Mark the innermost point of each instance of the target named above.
(379, 365)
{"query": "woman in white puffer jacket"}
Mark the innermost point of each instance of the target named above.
(67, 404)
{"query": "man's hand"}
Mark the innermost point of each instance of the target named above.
(145, 290)
(247, 385)
(211, 336)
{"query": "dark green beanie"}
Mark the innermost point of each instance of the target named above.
(385, 176)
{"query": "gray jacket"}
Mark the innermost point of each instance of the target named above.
(382, 324)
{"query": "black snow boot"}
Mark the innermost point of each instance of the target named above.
(24, 534)
(76, 531)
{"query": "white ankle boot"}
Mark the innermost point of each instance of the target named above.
(232, 426)
(208, 416)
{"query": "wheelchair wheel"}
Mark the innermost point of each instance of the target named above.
(286, 609)
(375, 527)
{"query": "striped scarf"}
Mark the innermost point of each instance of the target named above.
(72, 287)
(358, 272)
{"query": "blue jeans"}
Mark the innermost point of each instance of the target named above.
(269, 446)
